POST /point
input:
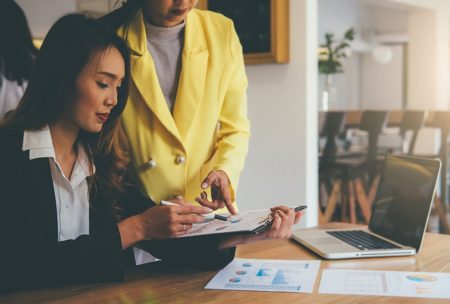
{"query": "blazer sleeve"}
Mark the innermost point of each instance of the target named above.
(234, 133)
(199, 252)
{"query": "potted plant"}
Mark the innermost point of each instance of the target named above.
(330, 56)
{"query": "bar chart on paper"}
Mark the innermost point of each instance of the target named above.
(386, 283)
(267, 275)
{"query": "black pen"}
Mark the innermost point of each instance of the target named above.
(216, 216)
(300, 208)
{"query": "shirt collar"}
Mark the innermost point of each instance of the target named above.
(40, 145)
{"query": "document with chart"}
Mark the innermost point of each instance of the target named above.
(267, 275)
(386, 283)
(249, 222)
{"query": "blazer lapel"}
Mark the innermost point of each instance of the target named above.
(193, 74)
(143, 74)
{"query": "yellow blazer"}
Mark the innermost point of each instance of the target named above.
(209, 129)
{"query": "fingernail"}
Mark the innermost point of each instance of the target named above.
(205, 185)
(209, 210)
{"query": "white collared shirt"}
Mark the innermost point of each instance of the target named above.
(10, 94)
(71, 196)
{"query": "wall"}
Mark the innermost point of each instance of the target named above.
(390, 20)
(336, 16)
(439, 5)
(382, 84)
(428, 60)
(282, 162)
(43, 13)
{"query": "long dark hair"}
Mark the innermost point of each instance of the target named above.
(72, 42)
(17, 51)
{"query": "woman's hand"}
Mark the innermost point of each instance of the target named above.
(160, 222)
(283, 219)
(281, 228)
(220, 191)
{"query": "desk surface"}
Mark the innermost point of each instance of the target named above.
(154, 283)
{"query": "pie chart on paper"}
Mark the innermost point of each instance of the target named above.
(421, 278)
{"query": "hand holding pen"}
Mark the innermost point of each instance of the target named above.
(281, 218)
(206, 216)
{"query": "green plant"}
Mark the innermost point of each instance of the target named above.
(333, 51)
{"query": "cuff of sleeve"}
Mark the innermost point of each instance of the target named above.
(201, 252)
(109, 251)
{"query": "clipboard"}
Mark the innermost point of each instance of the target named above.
(250, 222)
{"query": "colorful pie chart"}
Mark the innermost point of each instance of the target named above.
(421, 278)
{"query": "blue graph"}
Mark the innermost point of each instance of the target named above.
(263, 273)
(279, 279)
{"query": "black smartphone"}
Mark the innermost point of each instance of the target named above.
(300, 208)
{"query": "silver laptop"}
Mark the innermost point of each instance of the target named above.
(399, 218)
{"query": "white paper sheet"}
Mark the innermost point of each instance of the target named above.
(386, 283)
(267, 275)
(244, 222)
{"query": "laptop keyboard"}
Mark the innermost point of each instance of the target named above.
(362, 240)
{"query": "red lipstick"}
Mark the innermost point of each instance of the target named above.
(103, 117)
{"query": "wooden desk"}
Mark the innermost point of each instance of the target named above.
(156, 283)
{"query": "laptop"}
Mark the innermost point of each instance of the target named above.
(399, 218)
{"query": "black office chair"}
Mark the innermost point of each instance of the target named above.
(441, 120)
(356, 173)
(329, 193)
(334, 122)
(409, 126)
(412, 121)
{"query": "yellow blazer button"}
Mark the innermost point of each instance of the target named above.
(180, 159)
(151, 164)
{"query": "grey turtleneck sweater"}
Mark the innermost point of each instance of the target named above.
(165, 44)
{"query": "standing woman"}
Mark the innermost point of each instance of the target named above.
(186, 119)
(17, 53)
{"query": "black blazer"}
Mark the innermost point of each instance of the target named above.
(31, 256)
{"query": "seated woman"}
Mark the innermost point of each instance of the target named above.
(68, 213)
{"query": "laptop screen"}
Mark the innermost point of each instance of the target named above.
(403, 202)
